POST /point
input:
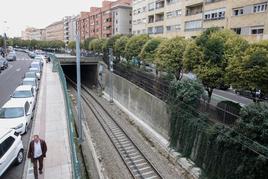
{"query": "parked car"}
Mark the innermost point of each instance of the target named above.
(31, 54)
(39, 59)
(11, 56)
(26, 92)
(11, 148)
(37, 65)
(3, 63)
(37, 72)
(31, 81)
(16, 114)
(30, 74)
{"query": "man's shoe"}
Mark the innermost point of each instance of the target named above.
(40, 172)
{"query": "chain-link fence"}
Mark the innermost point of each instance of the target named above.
(70, 117)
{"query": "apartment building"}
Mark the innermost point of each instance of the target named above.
(114, 17)
(33, 34)
(55, 31)
(121, 18)
(190, 17)
(69, 23)
(26, 34)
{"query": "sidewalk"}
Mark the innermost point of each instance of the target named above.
(51, 124)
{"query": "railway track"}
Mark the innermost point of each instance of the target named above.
(136, 162)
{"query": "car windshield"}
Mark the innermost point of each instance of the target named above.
(28, 83)
(30, 75)
(22, 94)
(11, 112)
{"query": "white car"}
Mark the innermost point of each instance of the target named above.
(26, 92)
(37, 65)
(37, 72)
(11, 149)
(31, 81)
(16, 114)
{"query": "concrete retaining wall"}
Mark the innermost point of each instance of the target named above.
(142, 104)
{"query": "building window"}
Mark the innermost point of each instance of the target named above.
(257, 30)
(151, 6)
(173, 28)
(238, 12)
(159, 30)
(237, 30)
(215, 14)
(150, 30)
(171, 2)
(260, 8)
(171, 14)
(193, 25)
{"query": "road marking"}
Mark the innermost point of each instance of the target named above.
(18, 69)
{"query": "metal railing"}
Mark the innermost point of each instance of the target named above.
(76, 173)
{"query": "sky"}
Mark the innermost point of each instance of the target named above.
(16, 15)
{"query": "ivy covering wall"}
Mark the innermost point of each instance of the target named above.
(222, 152)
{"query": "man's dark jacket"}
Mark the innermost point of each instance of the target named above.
(31, 149)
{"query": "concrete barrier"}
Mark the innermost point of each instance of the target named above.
(145, 106)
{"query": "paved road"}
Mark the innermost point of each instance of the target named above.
(231, 96)
(9, 80)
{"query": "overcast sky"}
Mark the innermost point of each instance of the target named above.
(20, 14)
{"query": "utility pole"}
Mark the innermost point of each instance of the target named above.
(5, 39)
(111, 73)
(5, 44)
(78, 80)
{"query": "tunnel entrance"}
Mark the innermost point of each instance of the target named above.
(89, 74)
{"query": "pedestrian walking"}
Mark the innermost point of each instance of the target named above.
(37, 152)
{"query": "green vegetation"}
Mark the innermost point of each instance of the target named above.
(134, 46)
(222, 153)
(35, 44)
(148, 52)
(119, 47)
(169, 56)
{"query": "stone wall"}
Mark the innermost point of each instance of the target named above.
(142, 104)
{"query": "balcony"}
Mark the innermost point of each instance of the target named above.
(159, 4)
(151, 19)
(159, 17)
(194, 9)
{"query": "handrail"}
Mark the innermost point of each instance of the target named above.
(76, 173)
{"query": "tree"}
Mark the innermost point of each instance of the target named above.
(135, 45)
(169, 56)
(86, 42)
(192, 56)
(148, 51)
(72, 44)
(119, 46)
(250, 71)
(97, 45)
(253, 122)
(210, 55)
(183, 101)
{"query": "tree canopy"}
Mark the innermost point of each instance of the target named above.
(149, 49)
(169, 55)
(134, 46)
(119, 46)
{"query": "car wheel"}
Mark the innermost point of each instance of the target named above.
(19, 158)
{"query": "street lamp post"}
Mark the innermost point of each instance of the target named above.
(5, 39)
